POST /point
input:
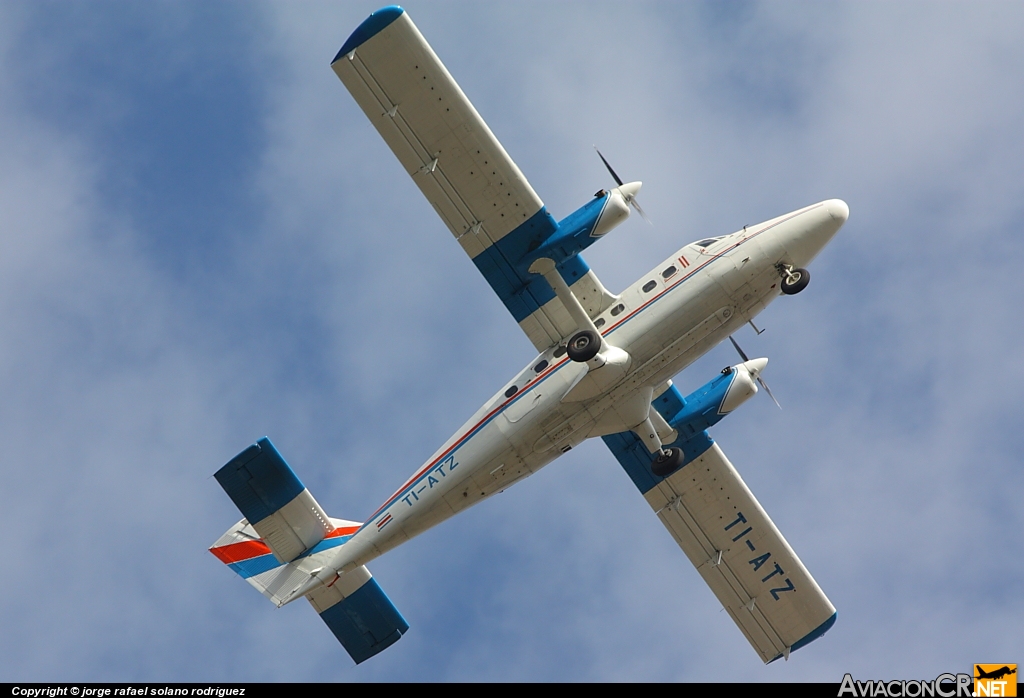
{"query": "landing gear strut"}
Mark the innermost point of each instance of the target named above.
(667, 462)
(794, 280)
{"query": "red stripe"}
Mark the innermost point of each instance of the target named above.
(236, 552)
(248, 549)
(555, 366)
(346, 531)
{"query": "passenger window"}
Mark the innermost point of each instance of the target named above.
(511, 391)
(559, 352)
(599, 323)
(540, 367)
(669, 272)
(618, 309)
(649, 286)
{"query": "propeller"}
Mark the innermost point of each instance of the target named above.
(628, 191)
(760, 380)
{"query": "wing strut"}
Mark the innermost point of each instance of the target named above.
(546, 268)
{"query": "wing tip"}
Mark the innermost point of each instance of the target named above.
(811, 636)
(371, 26)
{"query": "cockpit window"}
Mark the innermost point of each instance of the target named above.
(707, 243)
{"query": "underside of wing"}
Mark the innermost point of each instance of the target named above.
(464, 172)
(731, 540)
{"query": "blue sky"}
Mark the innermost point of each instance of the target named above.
(203, 241)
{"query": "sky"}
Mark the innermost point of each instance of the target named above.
(203, 241)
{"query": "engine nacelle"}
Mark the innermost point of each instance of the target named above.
(585, 225)
(707, 405)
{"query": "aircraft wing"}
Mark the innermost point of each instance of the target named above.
(731, 540)
(466, 175)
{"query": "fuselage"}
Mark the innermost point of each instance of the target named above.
(666, 320)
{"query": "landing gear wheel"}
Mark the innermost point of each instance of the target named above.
(795, 282)
(583, 346)
(667, 463)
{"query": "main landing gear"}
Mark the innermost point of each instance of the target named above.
(794, 280)
(583, 346)
(667, 462)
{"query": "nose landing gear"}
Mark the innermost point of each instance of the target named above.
(794, 280)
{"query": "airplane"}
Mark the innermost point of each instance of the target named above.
(604, 369)
(996, 673)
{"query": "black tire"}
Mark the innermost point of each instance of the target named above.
(803, 277)
(583, 346)
(664, 465)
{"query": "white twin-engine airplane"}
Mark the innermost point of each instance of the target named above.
(604, 369)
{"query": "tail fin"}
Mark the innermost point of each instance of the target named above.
(286, 538)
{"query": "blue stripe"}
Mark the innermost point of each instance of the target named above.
(694, 447)
(366, 622)
(634, 457)
(265, 563)
(704, 265)
(669, 403)
(259, 481)
(255, 565)
(451, 451)
(502, 265)
(636, 460)
(370, 27)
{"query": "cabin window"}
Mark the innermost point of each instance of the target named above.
(618, 309)
(559, 352)
(540, 367)
(511, 391)
(599, 323)
(649, 286)
(669, 272)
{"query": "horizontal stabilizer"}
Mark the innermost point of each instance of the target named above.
(286, 539)
(274, 501)
(362, 618)
(248, 555)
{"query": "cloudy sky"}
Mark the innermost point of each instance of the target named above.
(203, 241)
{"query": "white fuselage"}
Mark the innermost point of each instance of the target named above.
(666, 320)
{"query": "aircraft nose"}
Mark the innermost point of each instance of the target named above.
(811, 231)
(838, 210)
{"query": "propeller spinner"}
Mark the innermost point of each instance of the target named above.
(629, 191)
(760, 380)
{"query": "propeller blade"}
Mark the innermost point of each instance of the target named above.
(616, 177)
(639, 210)
(769, 391)
(740, 351)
